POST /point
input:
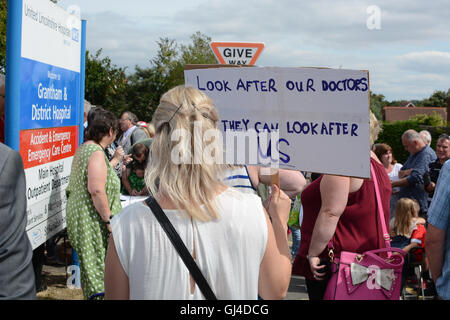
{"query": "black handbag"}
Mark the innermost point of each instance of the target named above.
(181, 249)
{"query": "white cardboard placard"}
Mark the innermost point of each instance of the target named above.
(322, 115)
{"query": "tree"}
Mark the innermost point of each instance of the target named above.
(437, 99)
(148, 84)
(166, 71)
(377, 103)
(199, 51)
(106, 84)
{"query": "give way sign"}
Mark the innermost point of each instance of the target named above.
(238, 53)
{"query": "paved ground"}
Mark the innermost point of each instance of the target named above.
(55, 278)
(297, 289)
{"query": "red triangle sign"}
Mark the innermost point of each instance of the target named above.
(239, 53)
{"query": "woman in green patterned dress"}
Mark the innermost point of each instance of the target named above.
(93, 197)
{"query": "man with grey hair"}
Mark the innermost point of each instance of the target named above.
(411, 174)
(426, 136)
(2, 108)
(130, 132)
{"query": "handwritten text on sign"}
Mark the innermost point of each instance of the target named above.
(321, 115)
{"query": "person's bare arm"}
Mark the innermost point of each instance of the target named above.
(116, 280)
(404, 173)
(434, 247)
(275, 270)
(400, 183)
(117, 157)
(96, 181)
(334, 192)
(125, 181)
(291, 182)
(410, 246)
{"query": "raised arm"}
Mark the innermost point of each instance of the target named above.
(275, 271)
(291, 182)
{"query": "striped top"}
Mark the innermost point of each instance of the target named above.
(239, 178)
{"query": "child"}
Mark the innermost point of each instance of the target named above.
(407, 229)
(133, 177)
(407, 232)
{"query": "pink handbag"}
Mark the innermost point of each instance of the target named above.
(372, 275)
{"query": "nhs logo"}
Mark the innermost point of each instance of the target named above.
(75, 34)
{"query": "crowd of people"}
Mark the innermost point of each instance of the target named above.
(232, 219)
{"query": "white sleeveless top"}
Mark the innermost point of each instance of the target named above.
(229, 251)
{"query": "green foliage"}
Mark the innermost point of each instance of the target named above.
(166, 71)
(377, 103)
(437, 99)
(106, 84)
(148, 84)
(198, 52)
(393, 131)
(433, 119)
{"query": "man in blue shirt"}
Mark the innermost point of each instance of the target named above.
(437, 242)
(411, 174)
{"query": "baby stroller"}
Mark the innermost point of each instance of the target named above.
(412, 268)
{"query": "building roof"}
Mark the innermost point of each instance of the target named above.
(397, 113)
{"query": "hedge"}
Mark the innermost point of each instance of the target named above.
(393, 131)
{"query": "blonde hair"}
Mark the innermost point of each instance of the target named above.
(375, 128)
(405, 212)
(187, 184)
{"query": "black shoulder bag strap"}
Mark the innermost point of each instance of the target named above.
(181, 249)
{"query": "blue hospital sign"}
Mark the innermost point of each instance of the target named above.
(44, 73)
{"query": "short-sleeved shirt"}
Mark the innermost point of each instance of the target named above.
(419, 163)
(439, 217)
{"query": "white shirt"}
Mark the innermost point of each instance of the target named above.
(229, 251)
(393, 175)
(126, 134)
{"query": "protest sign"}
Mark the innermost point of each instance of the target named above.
(317, 118)
(44, 106)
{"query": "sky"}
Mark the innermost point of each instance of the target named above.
(404, 44)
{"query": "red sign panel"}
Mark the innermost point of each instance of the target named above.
(40, 146)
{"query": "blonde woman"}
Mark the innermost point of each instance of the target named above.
(239, 251)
